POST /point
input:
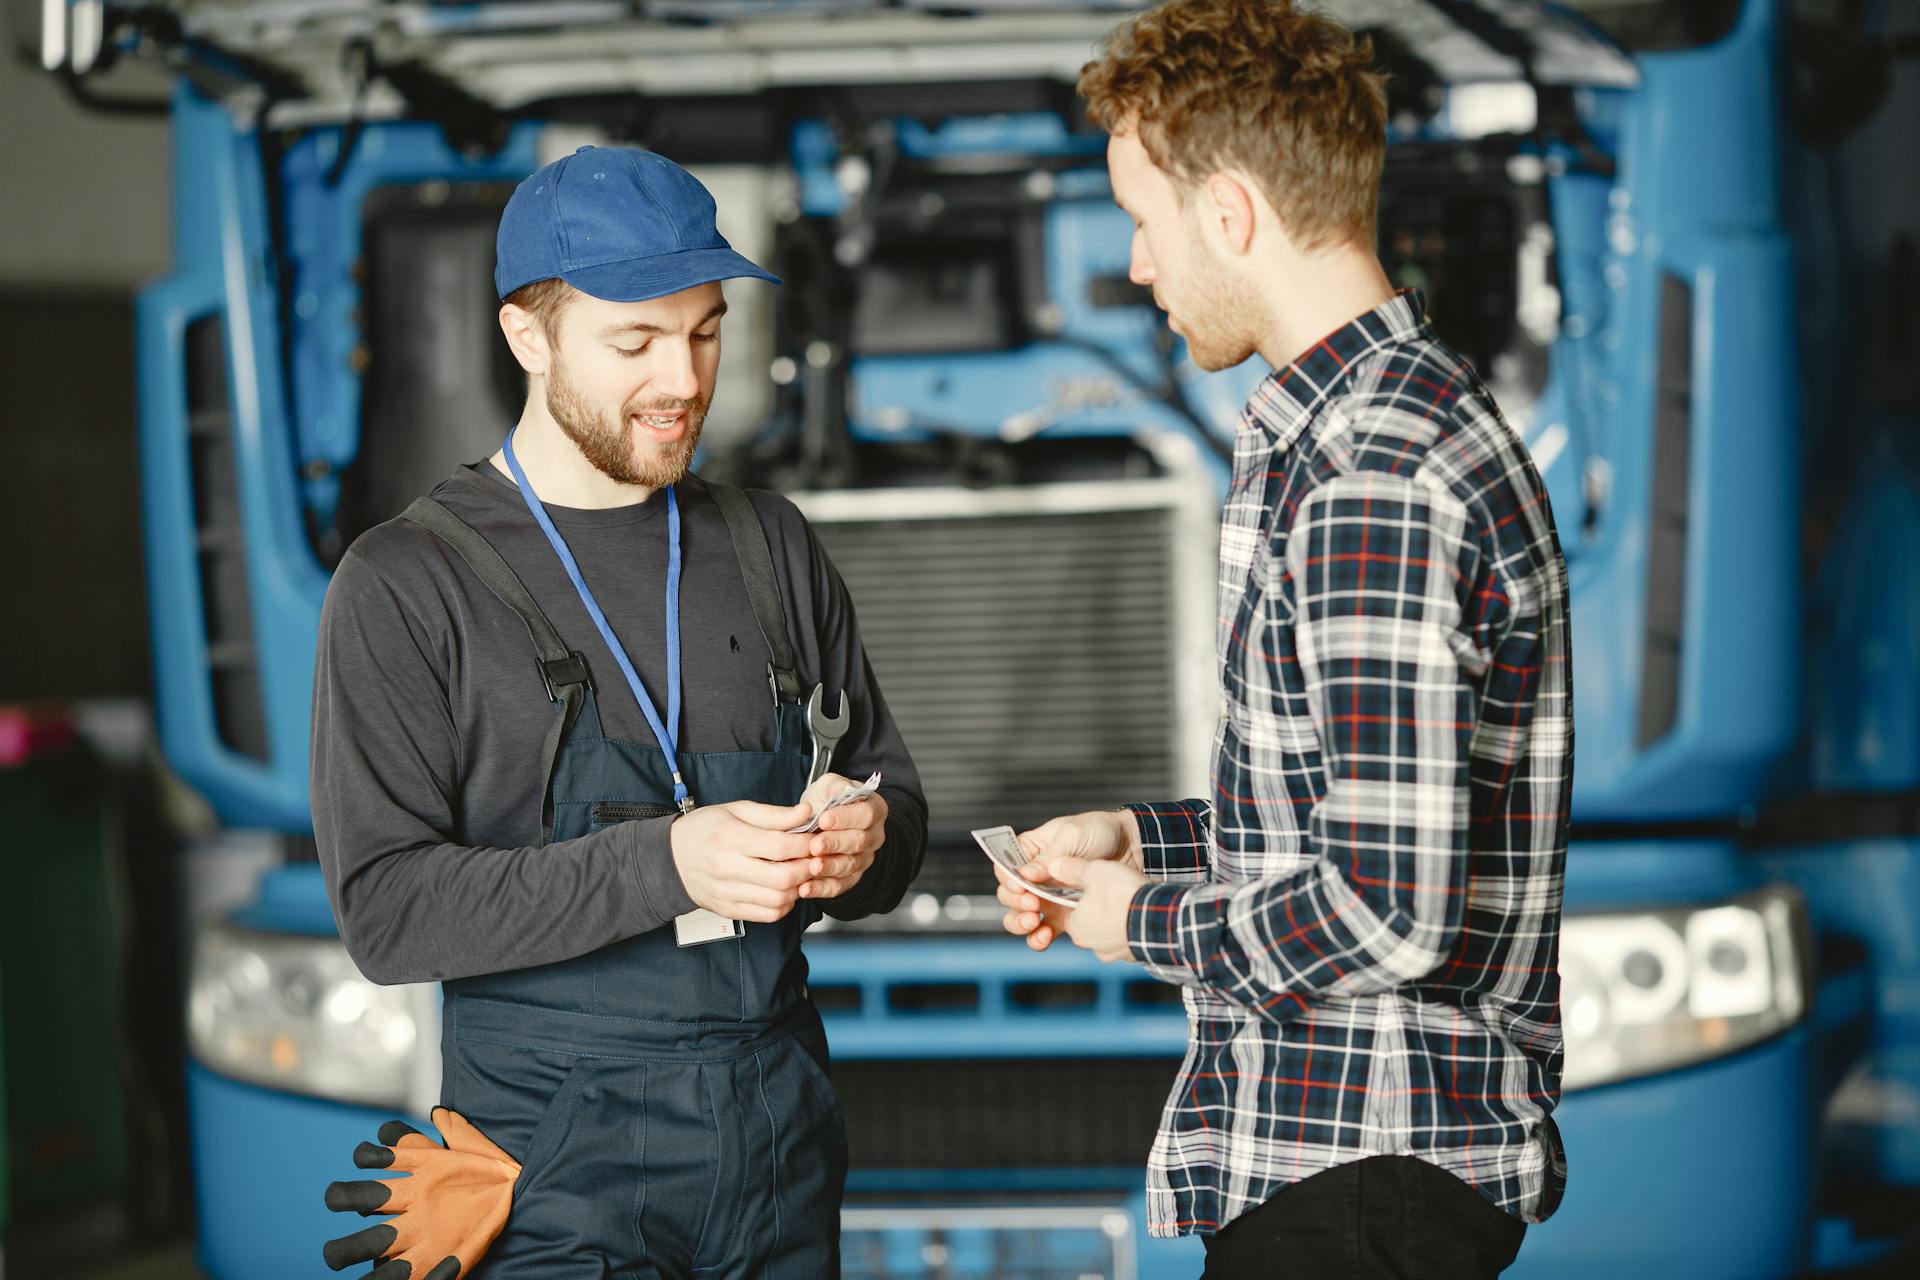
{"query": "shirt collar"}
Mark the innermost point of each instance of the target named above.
(1287, 399)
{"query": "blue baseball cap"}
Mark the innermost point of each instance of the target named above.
(619, 223)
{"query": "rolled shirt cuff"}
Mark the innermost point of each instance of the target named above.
(1175, 839)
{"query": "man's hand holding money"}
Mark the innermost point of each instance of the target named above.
(1098, 852)
(848, 837)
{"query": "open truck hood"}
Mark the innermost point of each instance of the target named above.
(308, 61)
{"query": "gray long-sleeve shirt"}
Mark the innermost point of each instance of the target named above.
(429, 718)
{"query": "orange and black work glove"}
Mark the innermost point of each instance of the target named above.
(445, 1214)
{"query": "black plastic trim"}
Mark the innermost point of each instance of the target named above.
(1663, 644)
(226, 598)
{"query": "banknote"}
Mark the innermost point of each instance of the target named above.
(854, 792)
(1003, 847)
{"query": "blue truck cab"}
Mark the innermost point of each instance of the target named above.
(1019, 476)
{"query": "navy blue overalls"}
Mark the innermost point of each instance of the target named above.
(669, 1105)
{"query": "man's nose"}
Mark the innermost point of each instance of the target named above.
(677, 377)
(1140, 266)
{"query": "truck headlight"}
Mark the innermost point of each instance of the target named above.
(1656, 990)
(292, 1012)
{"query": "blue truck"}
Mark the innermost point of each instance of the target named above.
(1019, 476)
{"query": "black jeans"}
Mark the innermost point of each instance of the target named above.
(1382, 1218)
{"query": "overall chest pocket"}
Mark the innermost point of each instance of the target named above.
(650, 976)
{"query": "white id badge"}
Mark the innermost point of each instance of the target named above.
(701, 925)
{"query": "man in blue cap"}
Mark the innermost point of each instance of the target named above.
(559, 745)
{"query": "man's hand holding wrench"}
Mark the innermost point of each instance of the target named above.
(850, 835)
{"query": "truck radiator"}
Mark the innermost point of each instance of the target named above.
(1043, 648)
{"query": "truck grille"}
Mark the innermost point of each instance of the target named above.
(1037, 646)
(1019, 1113)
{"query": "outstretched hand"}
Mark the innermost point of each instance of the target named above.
(1110, 838)
(1099, 922)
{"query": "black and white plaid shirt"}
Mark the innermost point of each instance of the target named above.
(1366, 916)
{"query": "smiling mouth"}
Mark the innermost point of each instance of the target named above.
(661, 422)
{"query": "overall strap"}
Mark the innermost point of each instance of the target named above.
(562, 670)
(763, 588)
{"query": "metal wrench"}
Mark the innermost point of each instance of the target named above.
(826, 732)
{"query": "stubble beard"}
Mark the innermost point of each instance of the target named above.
(608, 444)
(1221, 317)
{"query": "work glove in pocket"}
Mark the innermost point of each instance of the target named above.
(445, 1214)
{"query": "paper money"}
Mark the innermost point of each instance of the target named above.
(854, 793)
(1003, 847)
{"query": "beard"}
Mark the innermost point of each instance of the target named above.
(607, 442)
(1221, 316)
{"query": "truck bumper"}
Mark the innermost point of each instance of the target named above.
(1703, 1172)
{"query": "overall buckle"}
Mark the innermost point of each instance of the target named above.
(561, 672)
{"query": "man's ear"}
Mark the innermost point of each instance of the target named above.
(1230, 207)
(526, 338)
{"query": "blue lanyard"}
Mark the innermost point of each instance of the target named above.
(667, 734)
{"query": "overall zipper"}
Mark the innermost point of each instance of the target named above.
(615, 811)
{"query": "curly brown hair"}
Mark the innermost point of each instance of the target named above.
(1285, 94)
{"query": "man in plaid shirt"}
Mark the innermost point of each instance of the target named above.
(1365, 915)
